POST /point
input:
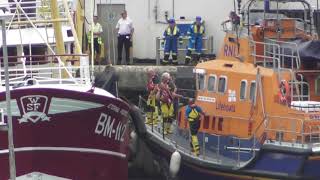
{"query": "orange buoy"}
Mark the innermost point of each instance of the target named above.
(284, 92)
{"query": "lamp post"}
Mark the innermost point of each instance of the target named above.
(12, 164)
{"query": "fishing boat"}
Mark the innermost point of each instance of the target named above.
(261, 99)
(54, 123)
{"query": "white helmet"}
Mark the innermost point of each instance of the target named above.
(165, 76)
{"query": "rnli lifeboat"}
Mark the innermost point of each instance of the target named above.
(261, 101)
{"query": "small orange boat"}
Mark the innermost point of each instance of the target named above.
(262, 102)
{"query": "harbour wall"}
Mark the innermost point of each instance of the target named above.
(132, 79)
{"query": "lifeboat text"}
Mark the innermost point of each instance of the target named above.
(105, 127)
(315, 117)
(230, 50)
(226, 107)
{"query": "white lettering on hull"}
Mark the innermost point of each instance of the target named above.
(105, 127)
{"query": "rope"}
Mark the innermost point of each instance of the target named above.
(23, 60)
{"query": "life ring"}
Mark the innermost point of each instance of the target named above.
(258, 33)
(284, 92)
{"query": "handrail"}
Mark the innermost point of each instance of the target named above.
(298, 60)
(40, 67)
(265, 45)
(208, 46)
(48, 55)
(299, 96)
(215, 148)
(304, 131)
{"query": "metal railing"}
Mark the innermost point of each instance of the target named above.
(301, 133)
(277, 50)
(288, 52)
(269, 57)
(275, 56)
(48, 68)
(299, 95)
(37, 11)
(258, 136)
(208, 47)
(210, 153)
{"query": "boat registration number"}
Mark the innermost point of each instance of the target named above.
(110, 127)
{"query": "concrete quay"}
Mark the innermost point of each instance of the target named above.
(134, 77)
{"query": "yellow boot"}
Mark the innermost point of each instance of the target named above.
(148, 119)
(155, 117)
(195, 144)
(168, 128)
(165, 128)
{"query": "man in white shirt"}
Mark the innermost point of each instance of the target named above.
(125, 31)
(97, 40)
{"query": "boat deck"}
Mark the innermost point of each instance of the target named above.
(180, 140)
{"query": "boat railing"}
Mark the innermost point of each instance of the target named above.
(277, 130)
(36, 11)
(257, 139)
(208, 43)
(300, 134)
(48, 69)
(270, 55)
(239, 149)
(208, 153)
(301, 94)
(313, 134)
(212, 146)
(298, 93)
(277, 54)
(288, 53)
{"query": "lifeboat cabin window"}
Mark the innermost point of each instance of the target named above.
(200, 81)
(213, 125)
(317, 85)
(220, 124)
(222, 87)
(243, 89)
(253, 91)
(212, 83)
(206, 122)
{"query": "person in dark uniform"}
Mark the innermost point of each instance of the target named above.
(234, 19)
(195, 33)
(173, 88)
(193, 112)
(171, 36)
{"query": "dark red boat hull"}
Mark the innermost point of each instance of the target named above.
(72, 145)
